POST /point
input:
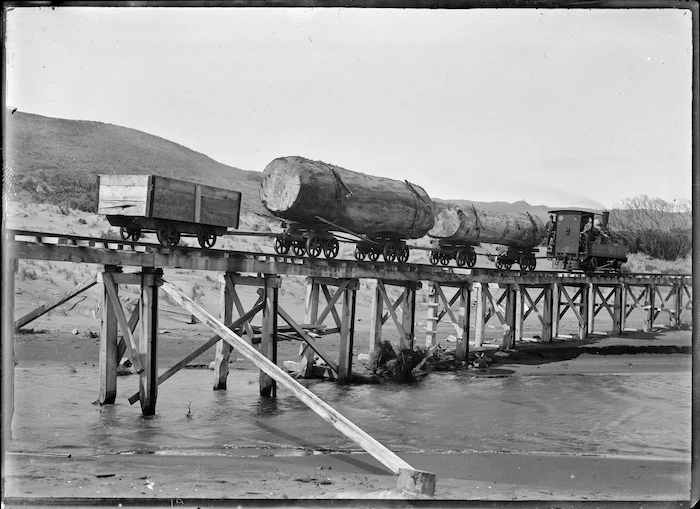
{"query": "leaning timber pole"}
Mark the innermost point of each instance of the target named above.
(408, 477)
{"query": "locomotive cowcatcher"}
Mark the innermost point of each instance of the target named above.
(580, 240)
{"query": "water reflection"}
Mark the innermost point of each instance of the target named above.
(584, 414)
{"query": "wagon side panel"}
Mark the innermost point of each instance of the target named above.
(219, 207)
(173, 200)
(123, 195)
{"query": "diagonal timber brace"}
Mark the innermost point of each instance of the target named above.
(325, 411)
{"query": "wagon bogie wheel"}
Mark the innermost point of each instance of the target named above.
(135, 233)
(359, 253)
(524, 262)
(124, 233)
(508, 265)
(373, 255)
(471, 259)
(445, 259)
(298, 248)
(389, 252)
(313, 246)
(331, 248)
(206, 237)
(402, 257)
(434, 257)
(166, 234)
(461, 257)
(281, 246)
(499, 264)
(532, 263)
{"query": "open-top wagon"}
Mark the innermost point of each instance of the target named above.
(168, 207)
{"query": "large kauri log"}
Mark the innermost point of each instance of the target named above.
(473, 226)
(299, 190)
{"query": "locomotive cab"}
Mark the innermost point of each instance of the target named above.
(579, 240)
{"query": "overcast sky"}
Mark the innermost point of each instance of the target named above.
(555, 107)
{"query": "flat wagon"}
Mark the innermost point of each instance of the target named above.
(168, 207)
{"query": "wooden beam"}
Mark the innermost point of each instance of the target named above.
(223, 349)
(41, 310)
(376, 322)
(617, 310)
(408, 300)
(9, 268)
(462, 347)
(148, 342)
(448, 309)
(347, 336)
(108, 355)
(480, 326)
(433, 318)
(235, 325)
(330, 306)
(387, 301)
(330, 415)
(131, 347)
(285, 316)
(133, 322)
(268, 338)
(548, 312)
(306, 354)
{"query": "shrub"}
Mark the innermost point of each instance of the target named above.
(666, 245)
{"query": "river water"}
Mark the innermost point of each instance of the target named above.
(643, 414)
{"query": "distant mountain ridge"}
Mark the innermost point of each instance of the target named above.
(56, 161)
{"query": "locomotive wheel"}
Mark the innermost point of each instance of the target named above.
(206, 237)
(434, 257)
(531, 263)
(282, 246)
(359, 253)
(124, 233)
(471, 259)
(298, 247)
(373, 255)
(331, 248)
(461, 257)
(313, 246)
(445, 259)
(389, 252)
(402, 257)
(592, 264)
(507, 265)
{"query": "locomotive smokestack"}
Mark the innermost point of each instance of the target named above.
(605, 218)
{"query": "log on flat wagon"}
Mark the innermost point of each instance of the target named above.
(156, 197)
(473, 226)
(299, 189)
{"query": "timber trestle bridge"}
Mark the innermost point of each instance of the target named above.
(509, 297)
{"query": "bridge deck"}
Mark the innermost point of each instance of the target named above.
(69, 248)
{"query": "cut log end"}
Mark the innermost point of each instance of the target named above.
(447, 223)
(280, 186)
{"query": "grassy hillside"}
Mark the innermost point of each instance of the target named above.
(56, 161)
(51, 160)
